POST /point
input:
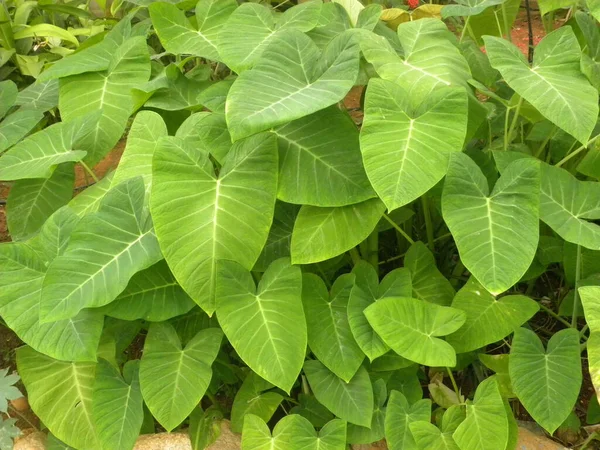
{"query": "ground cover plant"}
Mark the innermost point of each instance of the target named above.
(332, 224)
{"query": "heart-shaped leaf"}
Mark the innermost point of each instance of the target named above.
(376, 432)
(410, 327)
(428, 283)
(329, 335)
(351, 401)
(554, 84)
(292, 79)
(488, 319)
(406, 148)
(483, 223)
(210, 211)
(173, 378)
(400, 414)
(254, 397)
(270, 313)
(547, 382)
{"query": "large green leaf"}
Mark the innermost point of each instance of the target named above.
(31, 202)
(252, 27)
(406, 148)
(60, 394)
(292, 79)
(376, 431)
(178, 36)
(142, 140)
(365, 292)
(428, 283)
(483, 223)
(16, 126)
(208, 132)
(554, 84)
(108, 91)
(38, 155)
(293, 432)
(468, 7)
(488, 319)
(590, 298)
(199, 217)
(101, 258)
(431, 58)
(411, 328)
(152, 294)
(270, 314)
(173, 378)
(351, 401)
(8, 96)
(117, 405)
(486, 426)
(309, 407)
(547, 382)
(400, 414)
(39, 96)
(329, 334)
(320, 162)
(280, 235)
(322, 233)
(429, 437)
(254, 397)
(24, 266)
(569, 206)
(89, 200)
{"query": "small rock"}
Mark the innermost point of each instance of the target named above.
(20, 404)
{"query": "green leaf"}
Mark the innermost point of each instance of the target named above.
(145, 132)
(292, 79)
(252, 27)
(468, 7)
(199, 217)
(89, 200)
(8, 96)
(271, 314)
(322, 233)
(205, 427)
(100, 259)
(108, 91)
(171, 91)
(39, 96)
(153, 295)
(486, 425)
(406, 148)
(8, 431)
(482, 223)
(310, 408)
(293, 432)
(37, 155)
(411, 327)
(429, 437)
(178, 36)
(488, 319)
(376, 432)
(208, 132)
(428, 283)
(31, 202)
(406, 380)
(46, 30)
(117, 403)
(351, 401)
(547, 382)
(400, 414)
(280, 235)
(60, 394)
(16, 126)
(547, 6)
(254, 397)
(173, 378)
(590, 298)
(24, 267)
(7, 390)
(320, 162)
(365, 292)
(554, 84)
(569, 206)
(329, 334)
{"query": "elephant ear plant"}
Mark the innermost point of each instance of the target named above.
(316, 214)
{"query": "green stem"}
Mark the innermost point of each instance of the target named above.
(506, 116)
(576, 152)
(553, 314)
(576, 293)
(543, 145)
(399, 229)
(583, 330)
(428, 222)
(515, 118)
(354, 255)
(498, 23)
(589, 439)
(90, 171)
(454, 385)
(506, 27)
(465, 28)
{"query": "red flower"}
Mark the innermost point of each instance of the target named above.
(412, 4)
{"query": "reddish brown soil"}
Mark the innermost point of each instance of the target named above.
(520, 32)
